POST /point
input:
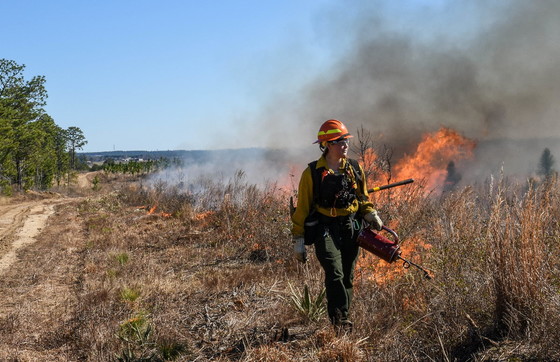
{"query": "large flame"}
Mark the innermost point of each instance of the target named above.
(433, 155)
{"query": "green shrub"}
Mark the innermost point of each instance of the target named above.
(309, 307)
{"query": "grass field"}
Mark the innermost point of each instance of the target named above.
(134, 273)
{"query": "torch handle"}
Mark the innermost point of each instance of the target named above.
(384, 187)
(392, 232)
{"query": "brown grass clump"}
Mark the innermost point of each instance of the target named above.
(207, 276)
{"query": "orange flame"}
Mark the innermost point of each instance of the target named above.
(433, 155)
(374, 269)
(203, 215)
(152, 210)
(429, 163)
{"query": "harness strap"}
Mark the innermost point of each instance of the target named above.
(317, 176)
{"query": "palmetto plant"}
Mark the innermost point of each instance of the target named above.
(311, 308)
(136, 333)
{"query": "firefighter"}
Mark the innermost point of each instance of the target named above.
(332, 202)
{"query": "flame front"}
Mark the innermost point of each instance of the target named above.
(433, 155)
(432, 163)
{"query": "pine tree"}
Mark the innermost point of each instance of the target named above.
(546, 164)
(34, 151)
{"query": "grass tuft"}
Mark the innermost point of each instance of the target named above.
(312, 308)
(130, 294)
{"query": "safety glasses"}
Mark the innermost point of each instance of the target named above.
(343, 142)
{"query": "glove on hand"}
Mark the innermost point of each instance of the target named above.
(299, 249)
(373, 219)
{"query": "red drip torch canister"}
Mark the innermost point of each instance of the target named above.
(379, 245)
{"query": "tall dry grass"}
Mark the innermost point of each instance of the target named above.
(212, 281)
(493, 251)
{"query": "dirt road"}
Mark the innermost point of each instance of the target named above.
(38, 270)
(20, 223)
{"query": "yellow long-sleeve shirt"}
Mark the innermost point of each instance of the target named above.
(305, 198)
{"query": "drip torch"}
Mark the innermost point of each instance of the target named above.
(382, 247)
(385, 248)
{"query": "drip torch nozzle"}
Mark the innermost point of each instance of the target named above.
(408, 263)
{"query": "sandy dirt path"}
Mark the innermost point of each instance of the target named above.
(41, 274)
(39, 269)
(19, 225)
(21, 222)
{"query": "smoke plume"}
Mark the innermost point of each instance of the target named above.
(490, 70)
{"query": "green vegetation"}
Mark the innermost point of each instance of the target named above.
(34, 151)
(95, 182)
(121, 258)
(309, 307)
(136, 333)
(546, 164)
(130, 294)
(132, 167)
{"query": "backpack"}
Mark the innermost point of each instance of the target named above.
(311, 224)
(316, 175)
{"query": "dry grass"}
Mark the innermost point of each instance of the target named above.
(107, 281)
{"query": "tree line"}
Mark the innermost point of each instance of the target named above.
(35, 153)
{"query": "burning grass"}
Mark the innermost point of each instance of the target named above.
(212, 281)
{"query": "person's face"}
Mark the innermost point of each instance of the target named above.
(339, 148)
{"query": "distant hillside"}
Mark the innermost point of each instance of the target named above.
(195, 156)
(147, 155)
(224, 158)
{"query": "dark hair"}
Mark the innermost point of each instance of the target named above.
(324, 149)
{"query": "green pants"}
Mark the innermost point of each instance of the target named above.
(337, 252)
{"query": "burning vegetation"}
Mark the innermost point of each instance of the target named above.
(435, 157)
(433, 161)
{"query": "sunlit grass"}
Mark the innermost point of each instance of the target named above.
(193, 287)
